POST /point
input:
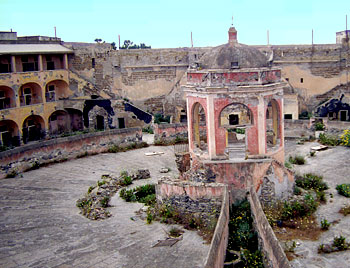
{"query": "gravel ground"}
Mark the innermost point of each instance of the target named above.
(333, 165)
(40, 225)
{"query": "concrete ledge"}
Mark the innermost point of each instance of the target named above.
(217, 251)
(270, 246)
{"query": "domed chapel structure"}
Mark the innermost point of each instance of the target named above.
(235, 105)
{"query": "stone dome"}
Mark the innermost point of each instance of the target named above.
(232, 56)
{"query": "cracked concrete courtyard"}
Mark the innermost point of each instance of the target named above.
(40, 225)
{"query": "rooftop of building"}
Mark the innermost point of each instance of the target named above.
(233, 55)
(16, 49)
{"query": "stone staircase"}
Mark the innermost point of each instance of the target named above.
(236, 150)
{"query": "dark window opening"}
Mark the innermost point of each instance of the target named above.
(27, 90)
(5, 68)
(24, 58)
(287, 79)
(288, 116)
(233, 119)
(343, 115)
(93, 62)
(121, 122)
(234, 64)
(50, 65)
(301, 80)
(53, 117)
(28, 67)
(100, 122)
(183, 118)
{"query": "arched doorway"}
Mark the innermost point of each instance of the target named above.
(55, 90)
(199, 132)
(30, 93)
(98, 118)
(33, 128)
(235, 118)
(273, 126)
(7, 98)
(59, 122)
(9, 135)
(76, 119)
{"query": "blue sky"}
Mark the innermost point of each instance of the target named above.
(164, 24)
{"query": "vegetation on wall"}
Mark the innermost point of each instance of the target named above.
(130, 45)
(160, 118)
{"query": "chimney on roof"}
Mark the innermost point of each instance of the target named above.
(232, 36)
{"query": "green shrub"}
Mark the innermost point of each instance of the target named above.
(312, 153)
(311, 181)
(90, 189)
(329, 140)
(35, 165)
(345, 210)
(297, 160)
(149, 218)
(100, 183)
(321, 196)
(114, 149)
(319, 126)
(296, 190)
(148, 129)
(339, 243)
(149, 199)
(12, 173)
(104, 201)
(126, 181)
(143, 194)
(127, 195)
(296, 209)
(343, 189)
(159, 118)
(325, 224)
(288, 165)
(175, 232)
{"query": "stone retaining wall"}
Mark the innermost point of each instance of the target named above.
(273, 252)
(297, 128)
(40, 153)
(169, 132)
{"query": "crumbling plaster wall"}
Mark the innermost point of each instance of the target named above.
(151, 78)
(311, 70)
(242, 175)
